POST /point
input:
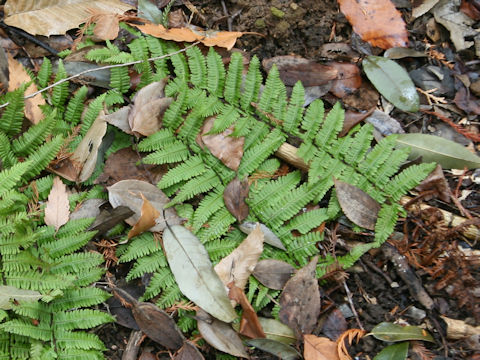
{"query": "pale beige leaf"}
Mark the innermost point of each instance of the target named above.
(106, 26)
(319, 348)
(18, 76)
(55, 17)
(57, 210)
(241, 262)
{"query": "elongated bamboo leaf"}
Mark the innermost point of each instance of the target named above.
(194, 273)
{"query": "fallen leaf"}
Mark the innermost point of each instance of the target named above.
(4, 73)
(348, 79)
(55, 17)
(394, 352)
(384, 123)
(107, 219)
(269, 236)
(57, 210)
(119, 119)
(471, 9)
(220, 335)
(353, 118)
(188, 352)
(149, 105)
(147, 218)
(87, 209)
(467, 102)
(300, 300)
(359, 207)
(392, 81)
(9, 293)
(393, 332)
(149, 11)
(228, 149)
(275, 330)
(420, 7)
(18, 76)
(377, 22)
(225, 39)
(449, 154)
(194, 274)
(276, 348)
(234, 197)
(319, 348)
(106, 25)
(239, 264)
(249, 324)
(348, 336)
(128, 193)
(334, 325)
(436, 184)
(272, 273)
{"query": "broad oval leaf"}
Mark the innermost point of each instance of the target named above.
(392, 81)
(448, 154)
(273, 273)
(393, 352)
(194, 274)
(392, 332)
(276, 348)
(275, 330)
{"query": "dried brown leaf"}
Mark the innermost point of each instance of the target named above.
(147, 218)
(55, 17)
(358, 206)
(300, 300)
(335, 325)
(57, 210)
(437, 184)
(18, 76)
(319, 348)
(348, 79)
(106, 26)
(234, 197)
(377, 22)
(348, 337)
(226, 148)
(273, 273)
(239, 264)
(119, 119)
(249, 325)
(188, 352)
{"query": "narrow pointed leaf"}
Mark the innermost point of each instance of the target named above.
(194, 273)
(392, 332)
(276, 348)
(393, 352)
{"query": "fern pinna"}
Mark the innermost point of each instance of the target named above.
(266, 118)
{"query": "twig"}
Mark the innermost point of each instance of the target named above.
(29, 37)
(456, 127)
(103, 68)
(352, 307)
(133, 345)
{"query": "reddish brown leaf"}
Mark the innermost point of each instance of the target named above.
(334, 325)
(226, 148)
(348, 337)
(273, 273)
(437, 184)
(57, 210)
(188, 352)
(364, 99)
(300, 300)
(147, 218)
(353, 118)
(249, 325)
(471, 8)
(348, 79)
(467, 102)
(359, 207)
(319, 348)
(234, 196)
(377, 22)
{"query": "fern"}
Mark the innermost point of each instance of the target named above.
(60, 92)
(12, 117)
(44, 73)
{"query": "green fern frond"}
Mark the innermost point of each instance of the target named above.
(44, 73)
(312, 120)
(67, 244)
(198, 67)
(158, 140)
(408, 179)
(147, 264)
(210, 204)
(294, 113)
(34, 136)
(233, 79)
(80, 319)
(331, 127)
(172, 153)
(119, 79)
(161, 280)
(60, 92)
(142, 245)
(179, 63)
(42, 157)
(10, 177)
(12, 117)
(216, 73)
(217, 225)
(228, 115)
(253, 81)
(25, 328)
(157, 49)
(79, 298)
(78, 340)
(6, 154)
(200, 184)
(274, 94)
(91, 114)
(309, 220)
(75, 106)
(192, 167)
(169, 296)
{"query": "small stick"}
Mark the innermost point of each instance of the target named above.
(352, 307)
(133, 345)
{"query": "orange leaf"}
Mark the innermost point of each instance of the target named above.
(224, 39)
(377, 22)
(349, 336)
(18, 76)
(319, 348)
(57, 210)
(148, 215)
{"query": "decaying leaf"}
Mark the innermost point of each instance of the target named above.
(334, 325)
(249, 324)
(377, 22)
(55, 17)
(228, 149)
(300, 300)
(348, 79)
(128, 193)
(9, 293)
(269, 236)
(18, 76)
(223, 39)
(194, 274)
(188, 352)
(436, 184)
(150, 103)
(234, 197)
(275, 330)
(319, 348)
(106, 25)
(359, 207)
(57, 210)
(119, 119)
(278, 349)
(272, 273)
(239, 264)
(220, 335)
(107, 219)
(147, 218)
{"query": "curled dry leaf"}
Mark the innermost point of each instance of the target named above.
(249, 324)
(226, 148)
(359, 207)
(224, 39)
(147, 218)
(128, 193)
(220, 335)
(239, 264)
(234, 197)
(269, 236)
(377, 22)
(57, 210)
(119, 119)
(273, 273)
(300, 300)
(18, 76)
(348, 336)
(319, 348)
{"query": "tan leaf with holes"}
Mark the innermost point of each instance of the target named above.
(57, 210)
